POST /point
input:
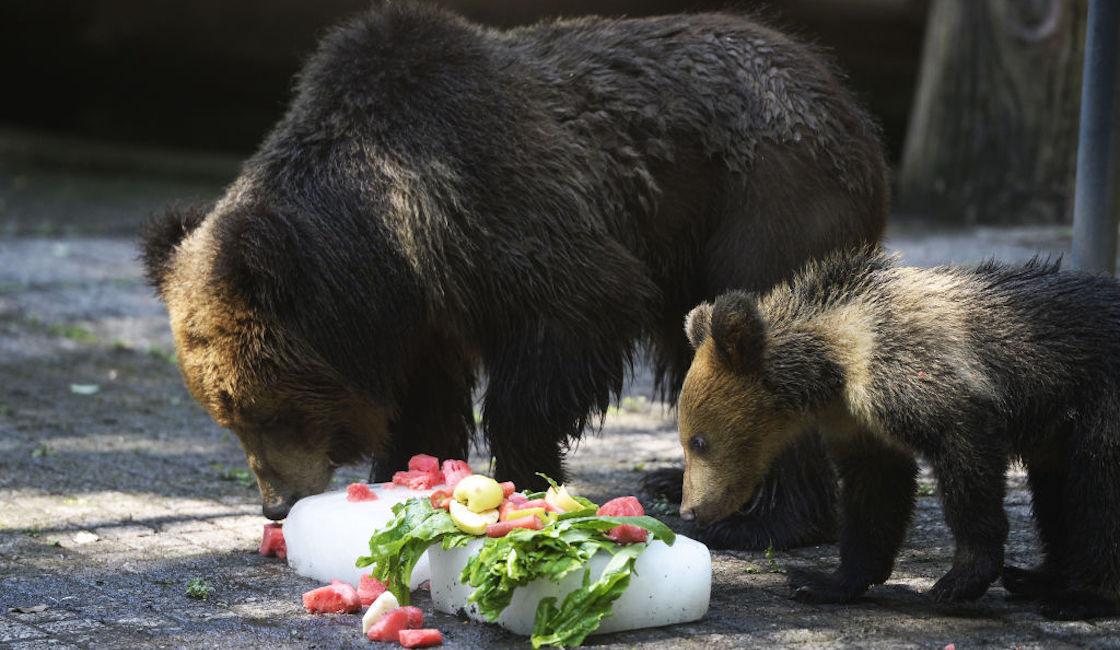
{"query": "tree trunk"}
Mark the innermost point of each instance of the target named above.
(993, 129)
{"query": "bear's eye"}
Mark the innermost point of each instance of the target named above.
(698, 444)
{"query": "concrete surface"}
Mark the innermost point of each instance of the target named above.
(126, 519)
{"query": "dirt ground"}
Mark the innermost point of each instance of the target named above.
(127, 517)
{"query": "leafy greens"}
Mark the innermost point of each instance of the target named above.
(397, 547)
(524, 555)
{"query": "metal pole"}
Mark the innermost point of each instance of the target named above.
(1096, 208)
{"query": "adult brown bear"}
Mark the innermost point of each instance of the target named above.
(444, 201)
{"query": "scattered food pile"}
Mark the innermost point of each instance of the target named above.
(523, 537)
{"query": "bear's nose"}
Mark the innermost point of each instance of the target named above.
(277, 511)
(688, 514)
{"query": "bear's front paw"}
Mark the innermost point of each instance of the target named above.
(818, 587)
(1077, 605)
(962, 583)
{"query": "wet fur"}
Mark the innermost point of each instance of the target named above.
(968, 368)
(444, 202)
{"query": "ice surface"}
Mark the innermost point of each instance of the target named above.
(326, 533)
(669, 585)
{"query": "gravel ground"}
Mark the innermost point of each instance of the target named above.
(126, 519)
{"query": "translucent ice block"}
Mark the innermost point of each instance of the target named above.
(670, 584)
(326, 533)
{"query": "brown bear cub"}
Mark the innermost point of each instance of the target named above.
(966, 368)
(445, 203)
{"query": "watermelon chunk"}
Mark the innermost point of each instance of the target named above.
(420, 638)
(624, 507)
(337, 598)
(389, 626)
(423, 463)
(360, 492)
(426, 463)
(369, 588)
(508, 488)
(454, 471)
(272, 543)
(416, 480)
(415, 616)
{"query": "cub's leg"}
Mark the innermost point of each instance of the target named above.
(1089, 563)
(970, 466)
(877, 484)
(1047, 473)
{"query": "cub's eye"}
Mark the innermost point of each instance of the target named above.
(698, 444)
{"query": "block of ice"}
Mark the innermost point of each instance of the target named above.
(670, 584)
(326, 534)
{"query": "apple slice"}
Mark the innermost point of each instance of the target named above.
(560, 499)
(472, 523)
(479, 493)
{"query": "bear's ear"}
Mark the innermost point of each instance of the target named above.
(738, 331)
(162, 233)
(698, 324)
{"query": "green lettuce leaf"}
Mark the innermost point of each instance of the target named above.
(524, 555)
(583, 609)
(395, 549)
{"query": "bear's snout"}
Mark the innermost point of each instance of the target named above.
(277, 511)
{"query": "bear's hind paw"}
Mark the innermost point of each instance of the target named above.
(1077, 606)
(818, 587)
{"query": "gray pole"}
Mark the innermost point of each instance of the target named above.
(1096, 208)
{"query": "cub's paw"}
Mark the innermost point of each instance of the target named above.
(962, 583)
(667, 483)
(1028, 583)
(1077, 605)
(818, 587)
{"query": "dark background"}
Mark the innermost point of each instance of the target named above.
(214, 75)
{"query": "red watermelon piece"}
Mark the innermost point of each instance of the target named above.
(389, 626)
(420, 638)
(454, 471)
(335, 598)
(426, 463)
(423, 463)
(369, 588)
(272, 543)
(360, 492)
(415, 616)
(624, 507)
(415, 480)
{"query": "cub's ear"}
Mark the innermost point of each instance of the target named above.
(162, 233)
(698, 324)
(738, 331)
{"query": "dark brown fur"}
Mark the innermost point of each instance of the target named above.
(967, 368)
(443, 200)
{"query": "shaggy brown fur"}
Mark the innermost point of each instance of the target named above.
(444, 202)
(968, 368)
